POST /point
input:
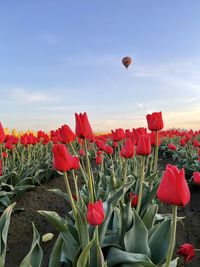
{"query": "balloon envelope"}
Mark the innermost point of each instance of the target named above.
(126, 61)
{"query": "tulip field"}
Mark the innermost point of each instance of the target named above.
(129, 197)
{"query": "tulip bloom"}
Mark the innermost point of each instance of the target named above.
(133, 199)
(99, 159)
(173, 188)
(153, 138)
(144, 146)
(155, 121)
(127, 150)
(182, 142)
(2, 134)
(187, 251)
(62, 159)
(196, 178)
(83, 128)
(4, 154)
(118, 135)
(171, 146)
(66, 134)
(108, 150)
(95, 213)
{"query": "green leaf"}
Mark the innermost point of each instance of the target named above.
(60, 193)
(111, 203)
(83, 229)
(117, 257)
(83, 259)
(55, 219)
(67, 231)
(35, 255)
(136, 239)
(4, 225)
(149, 217)
(55, 256)
(172, 263)
(159, 242)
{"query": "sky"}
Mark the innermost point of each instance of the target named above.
(58, 57)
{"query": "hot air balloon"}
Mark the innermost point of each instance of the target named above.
(126, 61)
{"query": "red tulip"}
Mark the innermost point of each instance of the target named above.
(66, 134)
(144, 146)
(133, 199)
(182, 142)
(118, 135)
(83, 128)
(196, 143)
(196, 178)
(9, 145)
(108, 150)
(155, 121)
(187, 251)
(171, 146)
(76, 163)
(62, 159)
(127, 150)
(4, 154)
(173, 188)
(2, 134)
(153, 138)
(95, 213)
(99, 159)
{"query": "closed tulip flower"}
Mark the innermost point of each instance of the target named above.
(127, 150)
(99, 159)
(2, 134)
(62, 159)
(108, 150)
(196, 178)
(155, 121)
(133, 199)
(83, 128)
(187, 251)
(95, 213)
(66, 134)
(153, 138)
(173, 188)
(171, 147)
(144, 146)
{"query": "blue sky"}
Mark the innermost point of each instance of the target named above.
(61, 57)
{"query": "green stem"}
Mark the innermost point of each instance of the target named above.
(172, 236)
(70, 195)
(75, 184)
(156, 154)
(113, 173)
(90, 179)
(125, 171)
(81, 168)
(97, 244)
(141, 186)
(1, 157)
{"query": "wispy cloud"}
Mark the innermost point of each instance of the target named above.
(181, 74)
(193, 99)
(139, 105)
(29, 96)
